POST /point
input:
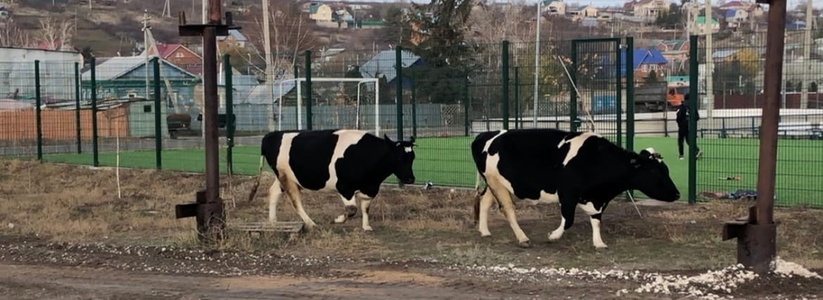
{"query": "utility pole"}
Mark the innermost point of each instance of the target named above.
(146, 19)
(269, 65)
(709, 60)
(807, 47)
(204, 16)
(537, 65)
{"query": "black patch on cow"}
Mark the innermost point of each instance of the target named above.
(310, 155)
(364, 166)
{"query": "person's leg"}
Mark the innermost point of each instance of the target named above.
(681, 136)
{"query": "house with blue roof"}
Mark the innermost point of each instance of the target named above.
(645, 61)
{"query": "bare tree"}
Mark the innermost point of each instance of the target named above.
(291, 33)
(12, 36)
(55, 33)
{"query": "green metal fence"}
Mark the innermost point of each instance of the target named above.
(149, 110)
(729, 104)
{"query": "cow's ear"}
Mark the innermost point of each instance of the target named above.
(645, 153)
(388, 140)
(412, 139)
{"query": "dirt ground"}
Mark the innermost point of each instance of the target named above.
(67, 235)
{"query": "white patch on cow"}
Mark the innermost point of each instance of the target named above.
(545, 198)
(575, 144)
(652, 151)
(408, 149)
(283, 157)
(589, 209)
(346, 138)
(558, 233)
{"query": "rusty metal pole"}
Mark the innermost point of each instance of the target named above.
(208, 208)
(210, 103)
(756, 236)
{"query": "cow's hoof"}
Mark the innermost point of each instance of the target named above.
(602, 247)
(367, 229)
(524, 244)
(340, 219)
(485, 234)
(554, 235)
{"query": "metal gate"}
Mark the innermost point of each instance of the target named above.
(600, 85)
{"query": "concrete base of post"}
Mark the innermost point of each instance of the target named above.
(210, 218)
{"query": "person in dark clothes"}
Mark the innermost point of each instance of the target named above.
(683, 126)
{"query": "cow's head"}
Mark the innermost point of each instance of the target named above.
(650, 175)
(403, 155)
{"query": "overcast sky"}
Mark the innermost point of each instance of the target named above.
(599, 3)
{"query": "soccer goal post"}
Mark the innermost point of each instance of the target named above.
(359, 82)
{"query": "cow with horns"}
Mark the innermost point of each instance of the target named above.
(353, 163)
(576, 169)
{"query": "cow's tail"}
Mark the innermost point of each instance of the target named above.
(259, 176)
(478, 196)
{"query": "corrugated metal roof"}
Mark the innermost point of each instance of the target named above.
(384, 63)
(116, 67)
(261, 94)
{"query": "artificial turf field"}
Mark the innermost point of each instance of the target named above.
(447, 162)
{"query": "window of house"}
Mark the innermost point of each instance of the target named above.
(178, 55)
(146, 108)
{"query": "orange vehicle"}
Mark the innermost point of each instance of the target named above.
(675, 96)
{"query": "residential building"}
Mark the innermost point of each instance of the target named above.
(178, 55)
(320, 12)
(698, 27)
(554, 7)
(647, 9)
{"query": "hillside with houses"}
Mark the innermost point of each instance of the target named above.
(346, 37)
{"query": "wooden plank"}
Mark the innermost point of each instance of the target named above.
(290, 227)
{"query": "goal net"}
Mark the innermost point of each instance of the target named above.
(345, 103)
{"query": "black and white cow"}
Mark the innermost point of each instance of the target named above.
(350, 162)
(576, 169)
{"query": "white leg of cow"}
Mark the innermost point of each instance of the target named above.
(297, 203)
(483, 219)
(275, 193)
(505, 199)
(594, 216)
(364, 208)
(351, 209)
(558, 233)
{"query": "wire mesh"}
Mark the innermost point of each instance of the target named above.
(731, 99)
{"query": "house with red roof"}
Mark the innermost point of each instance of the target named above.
(180, 56)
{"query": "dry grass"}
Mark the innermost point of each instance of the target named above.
(68, 203)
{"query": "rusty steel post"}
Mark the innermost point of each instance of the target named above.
(208, 208)
(756, 236)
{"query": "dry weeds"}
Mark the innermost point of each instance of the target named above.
(77, 204)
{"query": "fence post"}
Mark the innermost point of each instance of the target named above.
(516, 97)
(466, 106)
(694, 64)
(308, 91)
(619, 98)
(230, 119)
(629, 94)
(505, 65)
(414, 106)
(77, 107)
(37, 111)
(94, 146)
(572, 86)
(158, 125)
(398, 66)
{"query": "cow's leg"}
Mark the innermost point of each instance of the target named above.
(350, 203)
(275, 193)
(365, 201)
(297, 203)
(504, 198)
(483, 215)
(567, 207)
(595, 213)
